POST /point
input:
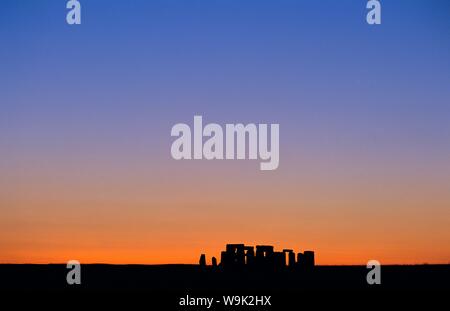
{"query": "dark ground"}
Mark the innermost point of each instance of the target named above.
(164, 285)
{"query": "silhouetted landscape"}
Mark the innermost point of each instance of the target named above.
(240, 272)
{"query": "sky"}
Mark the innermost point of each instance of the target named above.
(86, 113)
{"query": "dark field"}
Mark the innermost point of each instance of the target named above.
(164, 285)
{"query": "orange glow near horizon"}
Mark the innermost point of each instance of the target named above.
(135, 220)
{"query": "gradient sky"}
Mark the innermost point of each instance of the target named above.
(86, 112)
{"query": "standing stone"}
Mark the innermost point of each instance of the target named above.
(202, 260)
